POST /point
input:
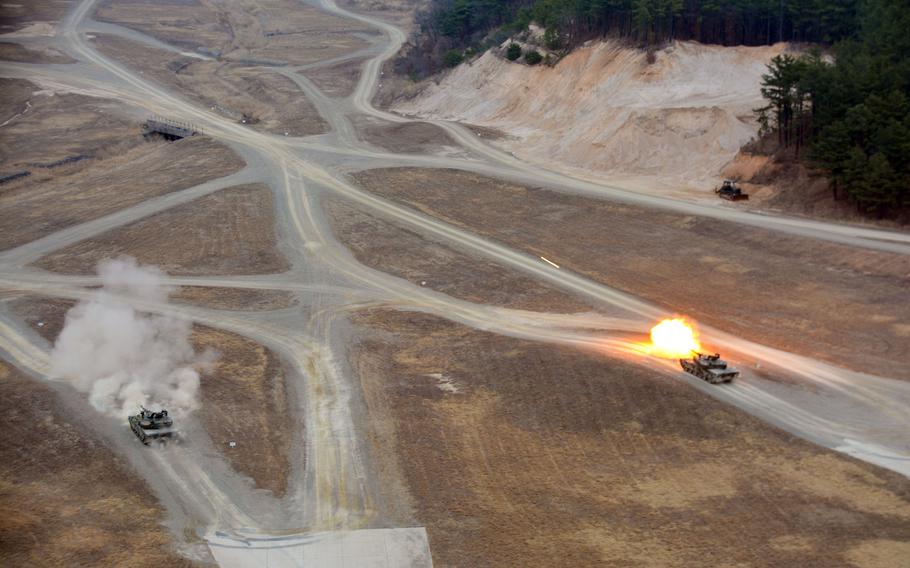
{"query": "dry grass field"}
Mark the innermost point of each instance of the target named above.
(43, 127)
(381, 245)
(38, 15)
(22, 54)
(231, 231)
(517, 453)
(67, 499)
(33, 209)
(819, 299)
(336, 80)
(245, 400)
(405, 138)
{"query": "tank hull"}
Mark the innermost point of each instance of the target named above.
(150, 434)
(706, 374)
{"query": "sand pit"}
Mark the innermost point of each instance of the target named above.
(604, 112)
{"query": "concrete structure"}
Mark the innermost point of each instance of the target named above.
(370, 548)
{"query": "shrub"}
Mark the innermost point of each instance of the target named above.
(533, 57)
(452, 58)
(513, 52)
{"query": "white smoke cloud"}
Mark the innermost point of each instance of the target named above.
(124, 358)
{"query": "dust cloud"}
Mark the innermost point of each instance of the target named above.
(124, 358)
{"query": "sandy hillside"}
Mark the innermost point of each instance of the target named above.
(604, 112)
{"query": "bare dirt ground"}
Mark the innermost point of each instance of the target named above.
(40, 126)
(266, 101)
(420, 259)
(336, 80)
(243, 399)
(823, 300)
(32, 210)
(15, 16)
(228, 232)
(406, 138)
(67, 499)
(21, 54)
(261, 31)
(516, 453)
(234, 299)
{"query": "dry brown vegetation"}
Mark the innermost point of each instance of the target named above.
(17, 15)
(265, 100)
(44, 127)
(823, 300)
(228, 232)
(234, 299)
(67, 499)
(243, 398)
(20, 53)
(407, 138)
(261, 31)
(518, 453)
(32, 210)
(336, 80)
(420, 259)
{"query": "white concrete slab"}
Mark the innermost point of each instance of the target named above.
(371, 548)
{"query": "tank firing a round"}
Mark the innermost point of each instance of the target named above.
(676, 338)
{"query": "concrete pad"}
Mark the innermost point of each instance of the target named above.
(373, 548)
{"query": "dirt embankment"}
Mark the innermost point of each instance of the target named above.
(401, 252)
(67, 499)
(605, 111)
(780, 180)
(243, 399)
(827, 301)
(231, 231)
(515, 453)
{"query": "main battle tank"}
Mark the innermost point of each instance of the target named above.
(731, 191)
(710, 368)
(148, 425)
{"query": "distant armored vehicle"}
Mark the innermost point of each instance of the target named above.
(710, 368)
(148, 425)
(730, 191)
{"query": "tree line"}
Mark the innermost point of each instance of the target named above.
(469, 26)
(849, 114)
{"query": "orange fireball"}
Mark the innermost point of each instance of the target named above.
(674, 338)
